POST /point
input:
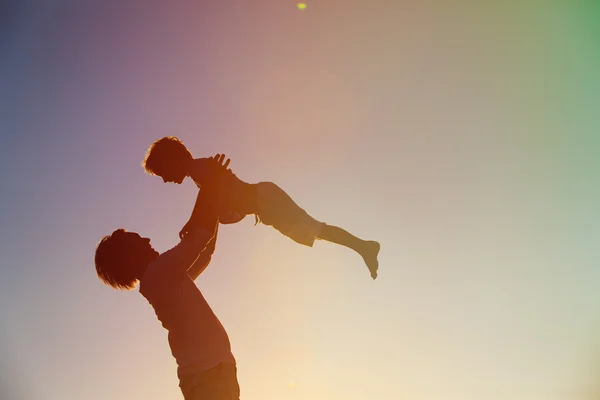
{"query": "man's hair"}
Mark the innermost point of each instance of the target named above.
(112, 261)
(163, 152)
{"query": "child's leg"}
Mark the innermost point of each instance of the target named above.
(338, 235)
(278, 210)
(366, 248)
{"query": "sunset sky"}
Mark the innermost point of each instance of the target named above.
(465, 138)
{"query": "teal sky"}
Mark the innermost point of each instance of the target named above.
(464, 138)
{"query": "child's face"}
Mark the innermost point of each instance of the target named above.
(173, 173)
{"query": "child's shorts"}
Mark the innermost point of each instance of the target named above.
(278, 210)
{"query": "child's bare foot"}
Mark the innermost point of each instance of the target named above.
(369, 254)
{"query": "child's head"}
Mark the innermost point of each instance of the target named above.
(122, 257)
(168, 158)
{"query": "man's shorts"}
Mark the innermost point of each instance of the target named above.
(218, 383)
(278, 210)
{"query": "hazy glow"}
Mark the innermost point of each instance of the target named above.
(464, 138)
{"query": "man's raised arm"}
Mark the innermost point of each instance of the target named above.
(177, 261)
(206, 216)
(203, 227)
(213, 168)
(204, 258)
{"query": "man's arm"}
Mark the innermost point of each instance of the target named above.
(173, 264)
(195, 212)
(215, 164)
(206, 215)
(204, 259)
(177, 261)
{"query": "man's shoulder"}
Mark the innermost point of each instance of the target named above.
(152, 272)
(156, 277)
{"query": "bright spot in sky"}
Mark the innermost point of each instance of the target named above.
(301, 6)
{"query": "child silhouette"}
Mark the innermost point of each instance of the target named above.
(170, 159)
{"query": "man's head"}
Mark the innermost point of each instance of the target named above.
(122, 257)
(168, 158)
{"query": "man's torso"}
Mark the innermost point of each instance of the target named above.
(197, 338)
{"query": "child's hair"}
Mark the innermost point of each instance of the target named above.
(111, 261)
(162, 152)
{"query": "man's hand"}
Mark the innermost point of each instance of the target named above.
(209, 198)
(214, 187)
(187, 228)
(217, 167)
(219, 159)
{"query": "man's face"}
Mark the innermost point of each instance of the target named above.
(140, 246)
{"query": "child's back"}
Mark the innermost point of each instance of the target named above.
(239, 196)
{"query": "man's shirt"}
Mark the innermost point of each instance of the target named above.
(197, 338)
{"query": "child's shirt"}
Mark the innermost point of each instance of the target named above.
(236, 198)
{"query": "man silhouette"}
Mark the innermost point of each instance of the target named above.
(198, 341)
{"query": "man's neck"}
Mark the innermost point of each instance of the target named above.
(140, 273)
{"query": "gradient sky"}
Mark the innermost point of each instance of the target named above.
(464, 138)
